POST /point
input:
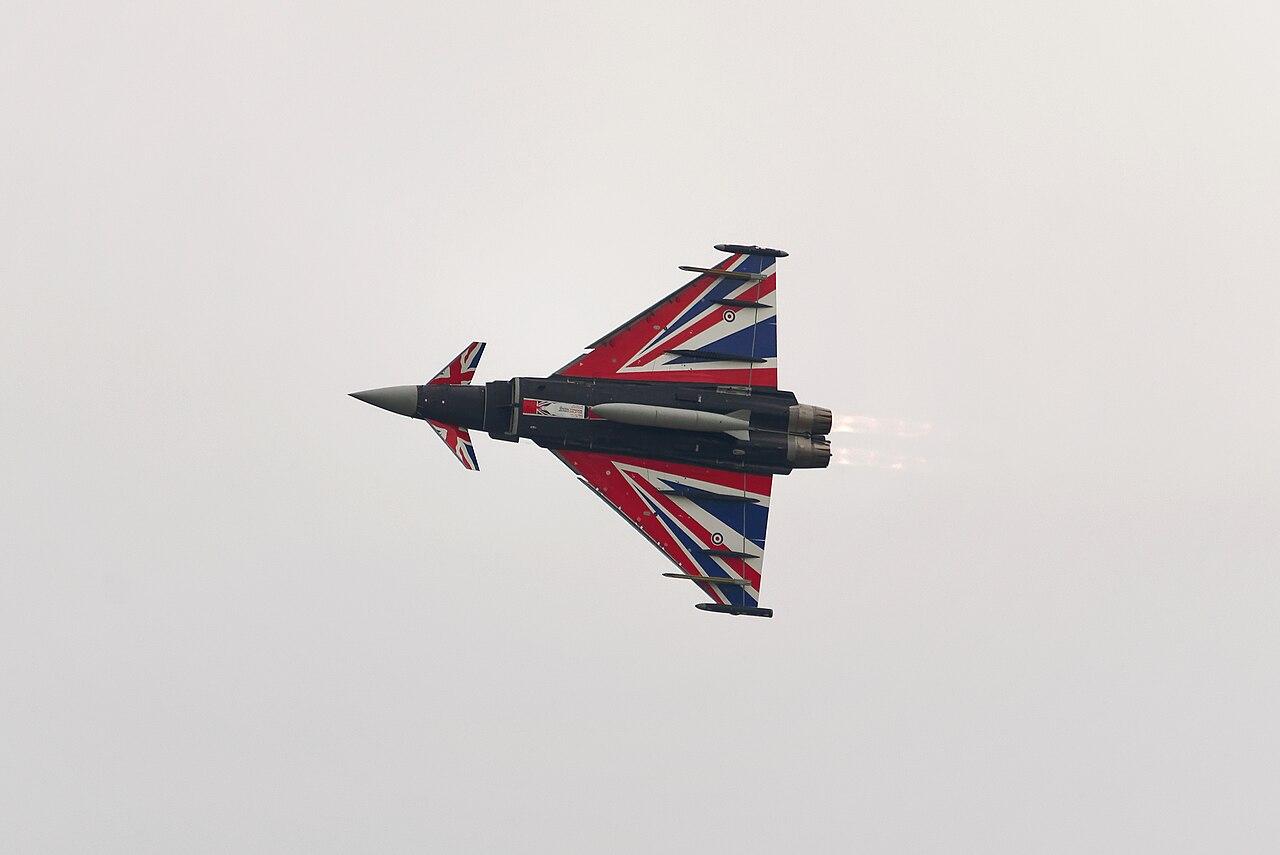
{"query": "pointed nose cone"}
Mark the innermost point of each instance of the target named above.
(397, 399)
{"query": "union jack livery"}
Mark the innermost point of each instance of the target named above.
(716, 329)
(674, 419)
(459, 441)
(462, 368)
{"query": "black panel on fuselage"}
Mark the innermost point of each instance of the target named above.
(764, 452)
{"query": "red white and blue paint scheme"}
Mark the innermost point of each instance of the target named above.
(720, 328)
(674, 419)
(457, 373)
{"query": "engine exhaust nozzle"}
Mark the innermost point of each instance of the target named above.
(806, 453)
(808, 419)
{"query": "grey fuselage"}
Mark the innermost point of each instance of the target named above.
(783, 435)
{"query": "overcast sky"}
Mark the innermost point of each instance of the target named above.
(1033, 269)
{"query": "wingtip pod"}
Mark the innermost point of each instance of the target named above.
(734, 610)
(750, 250)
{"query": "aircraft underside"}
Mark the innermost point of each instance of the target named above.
(566, 413)
(673, 419)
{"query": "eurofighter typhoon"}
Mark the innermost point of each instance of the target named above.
(674, 419)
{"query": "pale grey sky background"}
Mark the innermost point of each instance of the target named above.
(1034, 267)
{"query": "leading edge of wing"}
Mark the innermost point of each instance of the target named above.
(713, 329)
(645, 312)
(710, 523)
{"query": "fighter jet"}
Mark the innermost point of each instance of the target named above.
(674, 419)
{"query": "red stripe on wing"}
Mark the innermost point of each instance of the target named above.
(600, 471)
(739, 565)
